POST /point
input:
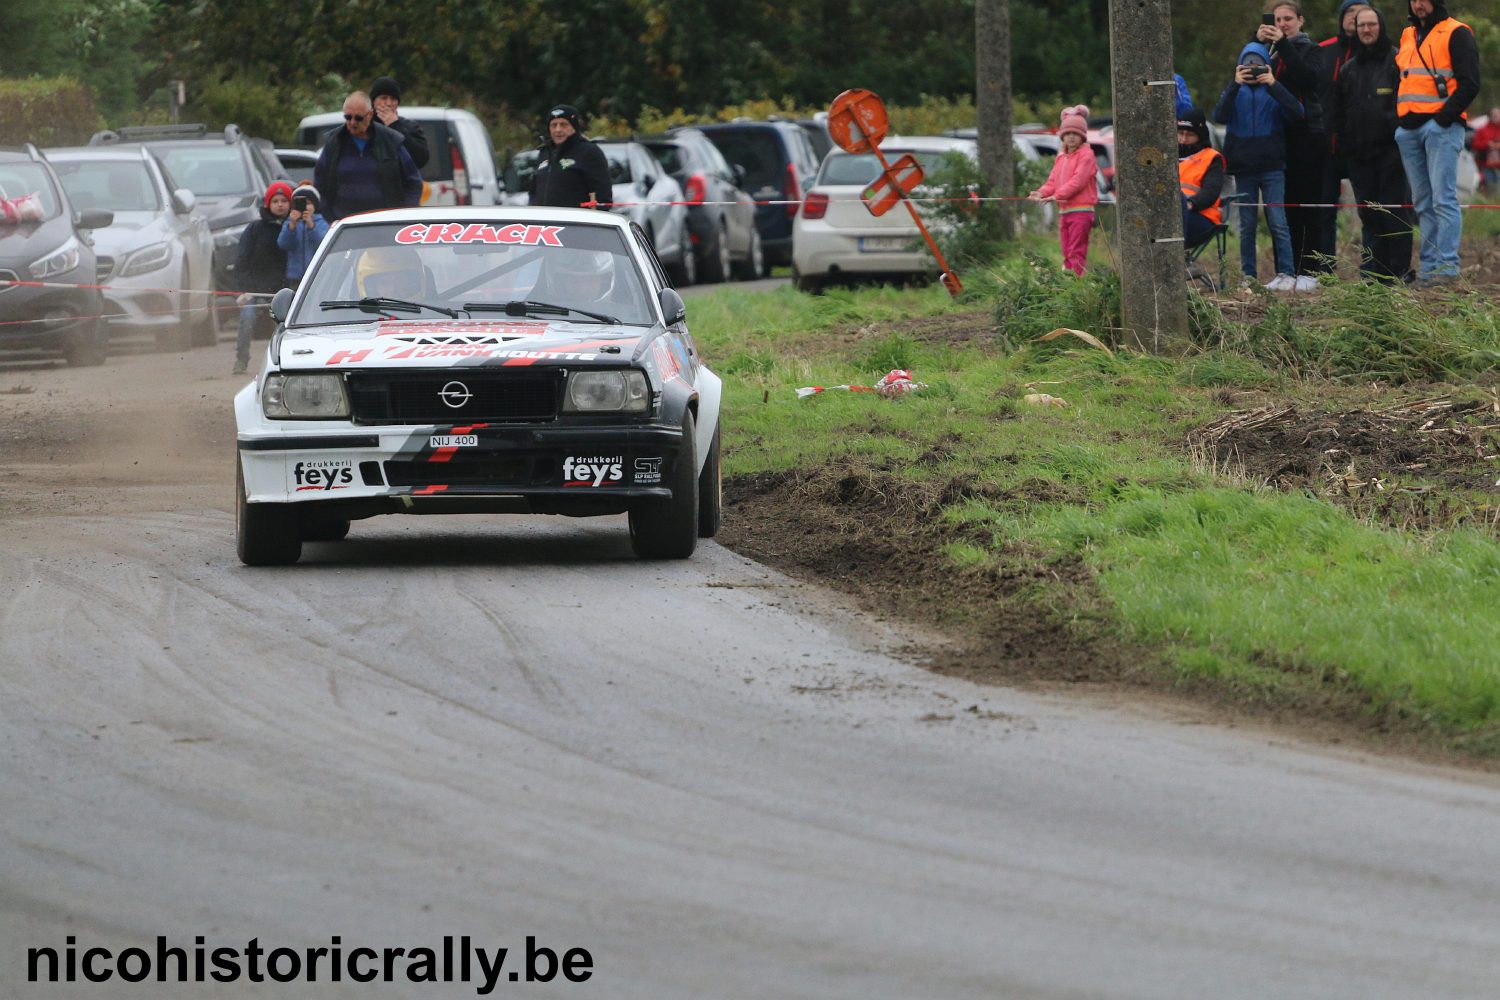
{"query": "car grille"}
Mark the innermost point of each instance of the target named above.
(487, 472)
(104, 267)
(6, 275)
(413, 397)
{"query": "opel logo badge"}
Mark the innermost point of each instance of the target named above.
(455, 394)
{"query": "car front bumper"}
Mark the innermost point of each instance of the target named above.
(823, 250)
(362, 470)
(42, 316)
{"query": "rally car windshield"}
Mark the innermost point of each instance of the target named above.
(584, 271)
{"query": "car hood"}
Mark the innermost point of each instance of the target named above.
(20, 245)
(430, 343)
(130, 231)
(228, 210)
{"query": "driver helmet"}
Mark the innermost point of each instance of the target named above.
(389, 272)
(583, 275)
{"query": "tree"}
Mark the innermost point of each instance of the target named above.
(993, 106)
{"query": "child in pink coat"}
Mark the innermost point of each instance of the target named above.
(1073, 185)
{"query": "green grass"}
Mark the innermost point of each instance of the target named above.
(1264, 593)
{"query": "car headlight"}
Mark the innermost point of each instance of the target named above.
(60, 261)
(607, 392)
(304, 396)
(146, 259)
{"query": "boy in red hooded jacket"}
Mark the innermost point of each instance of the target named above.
(1073, 185)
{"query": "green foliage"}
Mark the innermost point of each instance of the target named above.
(1035, 296)
(258, 108)
(55, 112)
(91, 41)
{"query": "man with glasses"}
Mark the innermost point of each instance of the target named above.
(363, 166)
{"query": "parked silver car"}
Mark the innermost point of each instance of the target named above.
(648, 196)
(159, 241)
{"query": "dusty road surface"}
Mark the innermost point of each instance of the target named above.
(720, 783)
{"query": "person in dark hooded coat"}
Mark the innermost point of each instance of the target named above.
(1362, 118)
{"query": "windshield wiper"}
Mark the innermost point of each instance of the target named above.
(381, 304)
(526, 307)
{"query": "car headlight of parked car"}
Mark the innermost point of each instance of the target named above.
(147, 259)
(60, 261)
(304, 397)
(607, 392)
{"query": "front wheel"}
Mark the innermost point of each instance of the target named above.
(685, 271)
(668, 529)
(711, 491)
(267, 533)
(715, 264)
(87, 347)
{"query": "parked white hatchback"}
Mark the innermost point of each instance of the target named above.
(834, 236)
(155, 260)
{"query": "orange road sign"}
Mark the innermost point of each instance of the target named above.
(884, 191)
(857, 121)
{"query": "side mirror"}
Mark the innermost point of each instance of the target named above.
(739, 175)
(95, 218)
(281, 305)
(184, 201)
(644, 185)
(672, 306)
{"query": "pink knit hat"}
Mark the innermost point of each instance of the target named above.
(1075, 119)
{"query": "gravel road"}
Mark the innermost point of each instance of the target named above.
(719, 782)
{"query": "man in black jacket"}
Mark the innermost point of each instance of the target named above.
(1336, 52)
(364, 166)
(1295, 60)
(1362, 118)
(386, 96)
(571, 171)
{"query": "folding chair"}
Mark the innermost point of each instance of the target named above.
(1217, 237)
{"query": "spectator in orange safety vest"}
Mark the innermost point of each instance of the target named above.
(1439, 63)
(1200, 172)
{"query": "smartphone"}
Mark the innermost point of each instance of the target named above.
(1268, 19)
(299, 204)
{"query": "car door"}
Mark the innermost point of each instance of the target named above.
(190, 228)
(665, 209)
(739, 214)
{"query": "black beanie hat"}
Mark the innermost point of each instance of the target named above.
(1195, 120)
(385, 87)
(566, 112)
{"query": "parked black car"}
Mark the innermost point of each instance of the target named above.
(55, 249)
(779, 163)
(721, 216)
(227, 172)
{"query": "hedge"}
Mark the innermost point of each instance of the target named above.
(49, 112)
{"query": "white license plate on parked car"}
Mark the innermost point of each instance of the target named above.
(882, 244)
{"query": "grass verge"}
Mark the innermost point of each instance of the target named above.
(1106, 539)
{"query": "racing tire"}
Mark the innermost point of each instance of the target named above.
(685, 271)
(87, 348)
(711, 491)
(755, 259)
(324, 529)
(715, 265)
(266, 534)
(668, 529)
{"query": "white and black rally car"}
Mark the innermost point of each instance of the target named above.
(479, 360)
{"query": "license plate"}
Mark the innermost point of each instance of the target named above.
(453, 441)
(882, 244)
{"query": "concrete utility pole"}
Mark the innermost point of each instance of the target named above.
(993, 105)
(1153, 287)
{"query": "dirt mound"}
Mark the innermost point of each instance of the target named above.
(1417, 465)
(878, 536)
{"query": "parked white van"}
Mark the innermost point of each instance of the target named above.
(460, 166)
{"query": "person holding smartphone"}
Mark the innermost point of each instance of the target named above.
(301, 233)
(1255, 109)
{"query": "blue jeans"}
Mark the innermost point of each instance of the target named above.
(1430, 155)
(1270, 188)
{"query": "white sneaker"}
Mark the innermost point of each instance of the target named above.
(1305, 283)
(1281, 283)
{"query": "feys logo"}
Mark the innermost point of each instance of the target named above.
(593, 471)
(328, 474)
(456, 232)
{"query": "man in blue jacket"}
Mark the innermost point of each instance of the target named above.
(363, 166)
(1254, 109)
